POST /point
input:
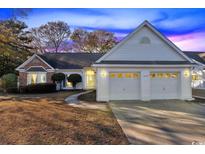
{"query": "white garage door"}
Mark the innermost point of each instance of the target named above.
(164, 85)
(124, 86)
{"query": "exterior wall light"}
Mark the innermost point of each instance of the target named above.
(103, 73)
(186, 73)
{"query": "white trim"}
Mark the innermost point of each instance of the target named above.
(34, 67)
(30, 59)
(145, 23)
(132, 65)
(198, 63)
(37, 73)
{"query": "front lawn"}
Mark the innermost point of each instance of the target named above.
(47, 119)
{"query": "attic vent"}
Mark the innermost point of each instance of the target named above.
(145, 40)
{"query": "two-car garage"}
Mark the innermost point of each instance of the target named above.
(145, 65)
(127, 85)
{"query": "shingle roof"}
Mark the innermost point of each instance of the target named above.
(80, 60)
(195, 56)
(70, 60)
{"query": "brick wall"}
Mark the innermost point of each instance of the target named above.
(35, 62)
(22, 78)
(49, 74)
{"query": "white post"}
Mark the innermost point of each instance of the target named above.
(102, 84)
(186, 91)
(145, 85)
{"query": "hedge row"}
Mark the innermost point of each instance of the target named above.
(38, 88)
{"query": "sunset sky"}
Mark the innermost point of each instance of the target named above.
(185, 27)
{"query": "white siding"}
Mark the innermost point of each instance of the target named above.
(183, 87)
(134, 50)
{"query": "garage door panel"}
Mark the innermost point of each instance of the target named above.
(124, 86)
(165, 86)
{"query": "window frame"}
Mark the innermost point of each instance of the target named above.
(38, 74)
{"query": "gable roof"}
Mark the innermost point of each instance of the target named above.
(30, 59)
(152, 28)
(36, 69)
(70, 60)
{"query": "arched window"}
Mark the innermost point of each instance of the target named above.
(145, 40)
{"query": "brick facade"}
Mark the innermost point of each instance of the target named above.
(35, 62)
(22, 78)
(49, 74)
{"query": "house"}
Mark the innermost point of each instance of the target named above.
(145, 65)
(198, 70)
(40, 68)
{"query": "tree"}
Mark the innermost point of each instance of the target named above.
(96, 41)
(9, 80)
(74, 79)
(14, 48)
(20, 12)
(58, 77)
(50, 37)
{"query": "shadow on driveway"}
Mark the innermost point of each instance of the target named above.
(161, 122)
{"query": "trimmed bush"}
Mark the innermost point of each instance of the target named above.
(58, 77)
(39, 88)
(74, 79)
(9, 81)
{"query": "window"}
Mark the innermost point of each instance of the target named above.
(145, 40)
(90, 78)
(196, 77)
(119, 75)
(112, 75)
(36, 77)
(127, 75)
(164, 75)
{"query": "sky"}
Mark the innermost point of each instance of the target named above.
(184, 27)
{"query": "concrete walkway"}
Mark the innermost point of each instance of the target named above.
(73, 101)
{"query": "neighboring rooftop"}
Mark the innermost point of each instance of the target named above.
(195, 55)
(71, 60)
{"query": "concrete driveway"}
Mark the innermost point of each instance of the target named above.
(161, 122)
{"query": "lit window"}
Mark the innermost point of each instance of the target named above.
(128, 75)
(90, 79)
(136, 75)
(163, 75)
(119, 75)
(34, 78)
(69, 84)
(112, 75)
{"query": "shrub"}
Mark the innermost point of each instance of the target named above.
(58, 77)
(74, 79)
(39, 88)
(9, 81)
(12, 90)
